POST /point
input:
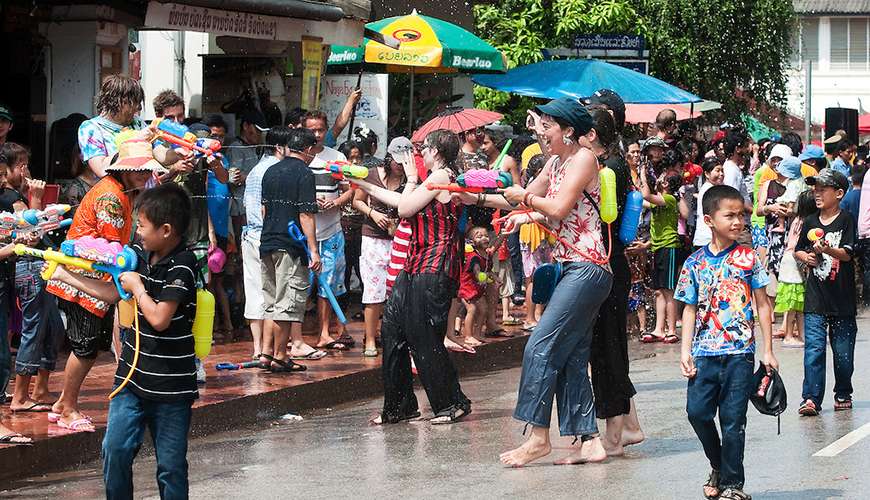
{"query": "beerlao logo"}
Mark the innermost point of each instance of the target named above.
(407, 35)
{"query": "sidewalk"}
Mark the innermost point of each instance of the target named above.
(229, 398)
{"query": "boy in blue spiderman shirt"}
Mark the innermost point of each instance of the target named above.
(718, 284)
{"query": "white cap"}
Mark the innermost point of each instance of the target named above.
(781, 151)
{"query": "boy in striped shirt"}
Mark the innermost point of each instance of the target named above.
(162, 387)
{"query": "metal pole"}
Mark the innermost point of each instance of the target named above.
(808, 125)
(411, 106)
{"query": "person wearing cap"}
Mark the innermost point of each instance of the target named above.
(380, 225)
(105, 212)
(6, 122)
(565, 195)
(242, 156)
(830, 298)
(814, 157)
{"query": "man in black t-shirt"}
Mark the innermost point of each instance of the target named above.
(289, 194)
(826, 246)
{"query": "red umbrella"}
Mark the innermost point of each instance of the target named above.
(457, 119)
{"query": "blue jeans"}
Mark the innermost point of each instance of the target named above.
(557, 354)
(5, 354)
(513, 243)
(722, 383)
(841, 330)
(41, 327)
(169, 425)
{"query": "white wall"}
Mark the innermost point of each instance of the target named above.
(830, 88)
(73, 63)
(160, 67)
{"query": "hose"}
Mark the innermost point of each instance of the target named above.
(135, 352)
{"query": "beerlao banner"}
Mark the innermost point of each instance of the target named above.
(312, 68)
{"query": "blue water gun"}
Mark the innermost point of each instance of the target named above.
(177, 135)
(299, 239)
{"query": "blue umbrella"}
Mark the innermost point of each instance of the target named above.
(580, 78)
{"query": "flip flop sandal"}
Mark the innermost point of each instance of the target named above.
(453, 415)
(648, 338)
(734, 494)
(370, 353)
(499, 333)
(8, 439)
(670, 339)
(842, 404)
(712, 482)
(54, 417)
(347, 340)
(463, 349)
(285, 367)
(511, 322)
(527, 327)
(311, 356)
(78, 425)
(335, 345)
(35, 408)
(381, 419)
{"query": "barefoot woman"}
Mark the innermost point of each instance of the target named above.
(564, 196)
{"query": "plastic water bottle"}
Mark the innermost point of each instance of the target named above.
(631, 217)
(203, 323)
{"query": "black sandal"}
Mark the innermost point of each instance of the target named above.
(734, 494)
(381, 418)
(712, 482)
(284, 366)
(451, 415)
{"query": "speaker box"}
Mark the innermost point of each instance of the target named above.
(842, 119)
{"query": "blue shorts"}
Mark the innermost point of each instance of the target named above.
(759, 237)
(332, 259)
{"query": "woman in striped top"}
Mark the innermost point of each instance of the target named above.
(565, 196)
(415, 317)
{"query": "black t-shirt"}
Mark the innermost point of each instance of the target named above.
(617, 163)
(166, 370)
(830, 286)
(288, 190)
(8, 198)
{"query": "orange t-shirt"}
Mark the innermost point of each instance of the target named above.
(105, 212)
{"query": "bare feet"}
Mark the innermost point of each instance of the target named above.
(612, 450)
(8, 436)
(529, 451)
(632, 437)
(30, 406)
(792, 342)
(588, 452)
(44, 397)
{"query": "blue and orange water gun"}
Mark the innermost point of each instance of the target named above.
(177, 135)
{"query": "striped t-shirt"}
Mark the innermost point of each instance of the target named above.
(328, 221)
(166, 370)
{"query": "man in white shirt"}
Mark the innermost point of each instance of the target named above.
(331, 196)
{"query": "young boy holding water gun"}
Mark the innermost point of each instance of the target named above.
(105, 212)
(826, 245)
(157, 383)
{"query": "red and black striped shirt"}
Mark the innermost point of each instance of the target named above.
(435, 242)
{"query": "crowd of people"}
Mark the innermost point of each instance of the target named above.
(733, 232)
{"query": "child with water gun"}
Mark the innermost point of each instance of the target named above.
(163, 387)
(105, 212)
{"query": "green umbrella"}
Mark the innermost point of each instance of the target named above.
(427, 45)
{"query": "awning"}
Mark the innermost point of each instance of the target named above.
(299, 9)
(285, 26)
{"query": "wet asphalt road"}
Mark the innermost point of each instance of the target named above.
(334, 454)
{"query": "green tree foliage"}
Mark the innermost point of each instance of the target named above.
(709, 47)
(713, 47)
(521, 28)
